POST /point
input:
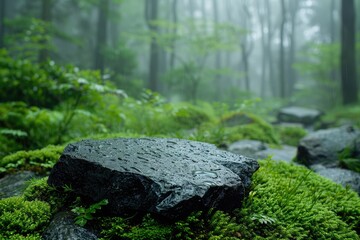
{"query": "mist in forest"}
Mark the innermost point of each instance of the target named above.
(301, 52)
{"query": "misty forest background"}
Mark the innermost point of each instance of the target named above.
(73, 68)
(197, 49)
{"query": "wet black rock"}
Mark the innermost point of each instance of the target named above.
(326, 146)
(62, 227)
(14, 184)
(169, 177)
(301, 115)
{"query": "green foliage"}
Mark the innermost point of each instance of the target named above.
(84, 214)
(342, 115)
(121, 228)
(23, 218)
(214, 225)
(28, 37)
(318, 88)
(291, 135)
(241, 125)
(39, 190)
(351, 164)
(291, 202)
(37, 160)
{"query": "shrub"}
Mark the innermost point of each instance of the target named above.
(190, 116)
(291, 135)
(20, 217)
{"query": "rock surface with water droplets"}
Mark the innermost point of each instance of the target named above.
(169, 177)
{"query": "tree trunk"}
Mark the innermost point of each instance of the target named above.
(218, 79)
(348, 71)
(46, 17)
(101, 36)
(282, 51)
(151, 14)
(246, 45)
(294, 5)
(173, 43)
(261, 16)
(271, 80)
(334, 74)
(2, 22)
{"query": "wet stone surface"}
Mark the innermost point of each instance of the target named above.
(62, 227)
(169, 177)
(15, 184)
(326, 146)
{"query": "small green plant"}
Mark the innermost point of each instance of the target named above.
(85, 214)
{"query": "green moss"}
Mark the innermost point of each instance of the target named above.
(39, 190)
(291, 202)
(232, 119)
(254, 131)
(190, 116)
(25, 218)
(291, 135)
(21, 237)
(148, 229)
(214, 225)
(37, 160)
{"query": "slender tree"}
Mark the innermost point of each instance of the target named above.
(173, 42)
(46, 16)
(101, 36)
(282, 51)
(2, 22)
(269, 55)
(218, 78)
(151, 15)
(291, 73)
(348, 70)
(261, 16)
(246, 43)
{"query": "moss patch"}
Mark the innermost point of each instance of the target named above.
(291, 202)
(22, 218)
(37, 160)
(291, 135)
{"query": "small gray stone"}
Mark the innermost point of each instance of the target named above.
(301, 115)
(284, 153)
(247, 148)
(343, 177)
(169, 177)
(14, 184)
(62, 227)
